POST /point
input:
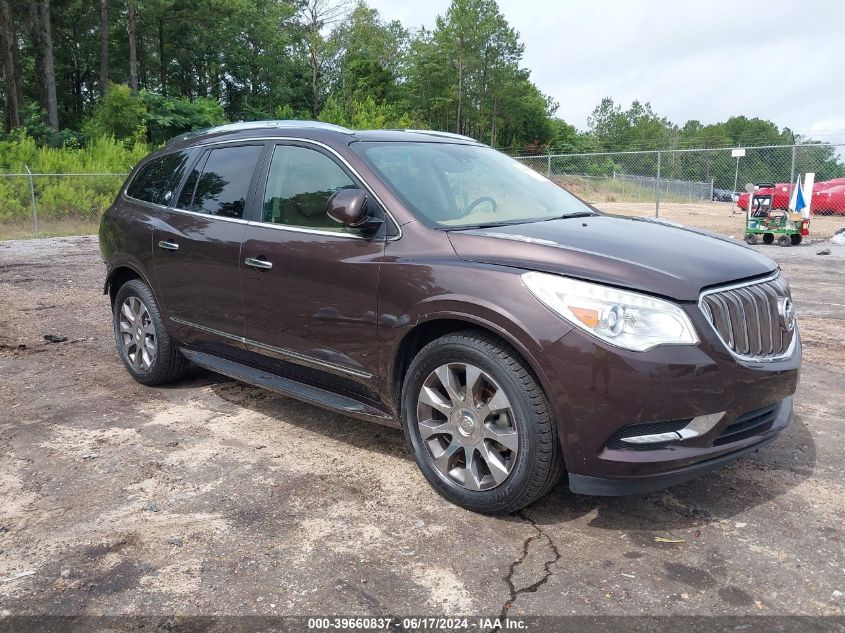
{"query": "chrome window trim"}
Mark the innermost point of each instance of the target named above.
(208, 215)
(744, 357)
(144, 203)
(302, 229)
(162, 207)
(302, 358)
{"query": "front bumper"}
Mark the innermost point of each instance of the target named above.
(596, 390)
(587, 485)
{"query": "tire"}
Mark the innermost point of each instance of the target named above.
(768, 238)
(750, 238)
(161, 361)
(796, 239)
(527, 426)
(784, 240)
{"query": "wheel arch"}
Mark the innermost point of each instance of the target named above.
(435, 326)
(119, 275)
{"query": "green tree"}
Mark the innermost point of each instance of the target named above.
(465, 76)
(170, 116)
(368, 57)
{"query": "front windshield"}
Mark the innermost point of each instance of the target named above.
(457, 186)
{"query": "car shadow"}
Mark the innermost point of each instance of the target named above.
(722, 494)
(194, 378)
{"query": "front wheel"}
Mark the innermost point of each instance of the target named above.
(478, 424)
(784, 240)
(143, 344)
(750, 238)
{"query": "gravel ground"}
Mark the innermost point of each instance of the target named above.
(216, 498)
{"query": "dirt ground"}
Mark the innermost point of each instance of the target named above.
(720, 217)
(216, 498)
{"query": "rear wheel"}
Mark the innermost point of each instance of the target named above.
(478, 424)
(750, 238)
(768, 238)
(796, 239)
(784, 240)
(143, 343)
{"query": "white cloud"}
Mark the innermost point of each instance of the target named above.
(702, 60)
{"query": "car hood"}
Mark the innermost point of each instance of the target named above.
(638, 253)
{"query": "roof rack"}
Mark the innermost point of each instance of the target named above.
(252, 125)
(443, 134)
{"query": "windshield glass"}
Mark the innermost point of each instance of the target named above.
(462, 186)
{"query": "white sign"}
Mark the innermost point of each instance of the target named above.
(737, 153)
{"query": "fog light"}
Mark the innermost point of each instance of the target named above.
(697, 426)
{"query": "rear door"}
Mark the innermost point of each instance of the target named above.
(197, 246)
(312, 298)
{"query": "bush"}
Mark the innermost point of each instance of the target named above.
(120, 114)
(79, 198)
(366, 115)
(34, 125)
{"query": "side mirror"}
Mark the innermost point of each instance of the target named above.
(348, 207)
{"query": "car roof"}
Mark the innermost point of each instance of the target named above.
(315, 130)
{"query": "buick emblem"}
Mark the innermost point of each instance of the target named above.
(786, 310)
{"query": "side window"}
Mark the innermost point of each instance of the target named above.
(299, 184)
(156, 178)
(186, 196)
(219, 184)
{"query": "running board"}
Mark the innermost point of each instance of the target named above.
(291, 388)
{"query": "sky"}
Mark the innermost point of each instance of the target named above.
(777, 60)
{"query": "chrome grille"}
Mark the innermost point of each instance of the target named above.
(747, 317)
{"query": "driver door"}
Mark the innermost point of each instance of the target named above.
(310, 286)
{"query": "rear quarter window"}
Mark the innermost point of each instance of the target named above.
(157, 177)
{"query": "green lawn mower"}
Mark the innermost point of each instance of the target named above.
(788, 228)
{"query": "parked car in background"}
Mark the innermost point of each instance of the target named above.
(425, 281)
(724, 195)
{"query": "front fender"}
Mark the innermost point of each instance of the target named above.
(506, 308)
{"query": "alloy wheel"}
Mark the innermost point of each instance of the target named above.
(137, 333)
(466, 423)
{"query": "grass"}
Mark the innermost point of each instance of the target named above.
(50, 228)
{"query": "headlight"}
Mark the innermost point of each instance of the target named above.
(625, 319)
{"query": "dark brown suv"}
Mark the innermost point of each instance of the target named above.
(426, 281)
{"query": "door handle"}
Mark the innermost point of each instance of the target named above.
(261, 264)
(168, 245)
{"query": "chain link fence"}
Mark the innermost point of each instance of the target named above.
(702, 187)
(696, 187)
(48, 205)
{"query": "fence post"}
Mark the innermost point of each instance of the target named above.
(792, 173)
(549, 166)
(657, 189)
(736, 173)
(34, 207)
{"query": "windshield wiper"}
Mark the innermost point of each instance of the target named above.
(483, 225)
(574, 214)
(490, 225)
